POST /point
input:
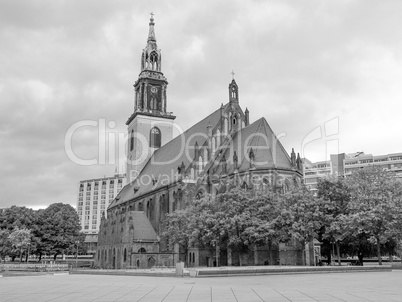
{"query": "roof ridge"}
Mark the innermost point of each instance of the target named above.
(255, 123)
(277, 140)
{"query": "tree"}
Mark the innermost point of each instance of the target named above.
(5, 244)
(234, 213)
(212, 223)
(20, 239)
(17, 217)
(178, 228)
(205, 225)
(265, 230)
(241, 220)
(335, 230)
(301, 216)
(376, 205)
(82, 248)
(58, 226)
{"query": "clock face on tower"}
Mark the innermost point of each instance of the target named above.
(154, 90)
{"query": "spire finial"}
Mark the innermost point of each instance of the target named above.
(233, 74)
(151, 35)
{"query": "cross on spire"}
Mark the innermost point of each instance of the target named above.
(152, 15)
(233, 74)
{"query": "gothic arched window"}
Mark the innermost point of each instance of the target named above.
(155, 138)
(154, 60)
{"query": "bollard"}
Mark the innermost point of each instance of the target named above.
(179, 269)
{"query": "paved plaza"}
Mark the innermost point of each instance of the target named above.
(366, 286)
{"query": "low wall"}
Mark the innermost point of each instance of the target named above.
(272, 270)
(34, 267)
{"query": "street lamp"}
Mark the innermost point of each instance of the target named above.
(76, 256)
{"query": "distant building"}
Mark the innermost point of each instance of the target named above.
(94, 196)
(390, 162)
(345, 164)
(313, 172)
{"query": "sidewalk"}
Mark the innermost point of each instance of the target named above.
(359, 286)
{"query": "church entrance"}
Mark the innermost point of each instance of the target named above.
(151, 262)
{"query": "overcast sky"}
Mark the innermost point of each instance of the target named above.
(325, 74)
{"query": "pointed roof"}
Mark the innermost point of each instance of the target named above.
(233, 83)
(151, 34)
(267, 149)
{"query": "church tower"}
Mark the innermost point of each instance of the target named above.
(150, 126)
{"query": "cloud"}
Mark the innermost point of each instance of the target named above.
(297, 64)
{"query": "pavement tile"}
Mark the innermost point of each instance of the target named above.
(199, 293)
(222, 294)
(178, 293)
(246, 295)
(349, 287)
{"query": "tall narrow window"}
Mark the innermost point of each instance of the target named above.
(132, 140)
(154, 61)
(155, 138)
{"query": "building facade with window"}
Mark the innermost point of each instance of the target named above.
(344, 164)
(390, 162)
(220, 151)
(94, 196)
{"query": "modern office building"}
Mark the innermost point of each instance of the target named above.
(390, 162)
(94, 196)
(345, 164)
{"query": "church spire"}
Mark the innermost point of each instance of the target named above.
(151, 58)
(151, 34)
(233, 91)
(151, 86)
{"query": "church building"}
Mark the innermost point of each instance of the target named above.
(220, 151)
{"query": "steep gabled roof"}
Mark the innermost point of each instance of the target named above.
(268, 150)
(143, 229)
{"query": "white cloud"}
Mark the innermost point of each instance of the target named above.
(299, 64)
